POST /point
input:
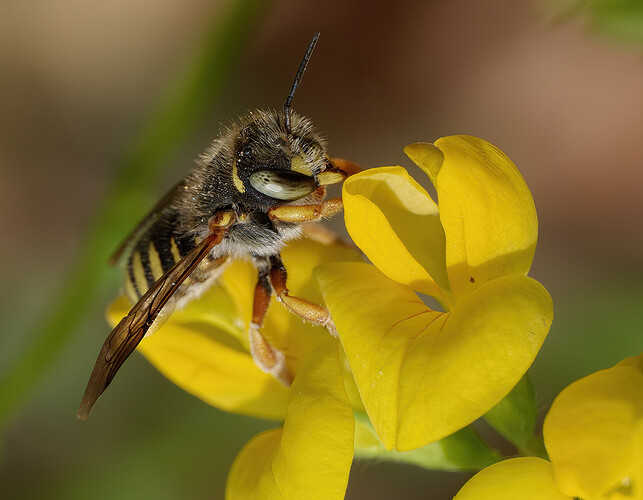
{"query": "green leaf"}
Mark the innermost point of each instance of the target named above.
(618, 19)
(463, 450)
(515, 418)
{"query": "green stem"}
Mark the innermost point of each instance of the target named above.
(166, 132)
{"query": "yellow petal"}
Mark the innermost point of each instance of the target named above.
(377, 319)
(203, 356)
(486, 210)
(637, 479)
(591, 433)
(117, 310)
(300, 257)
(423, 375)
(239, 281)
(251, 476)
(198, 359)
(525, 478)
(203, 346)
(283, 329)
(396, 224)
(458, 370)
(214, 307)
(313, 456)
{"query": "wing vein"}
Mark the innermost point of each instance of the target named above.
(129, 332)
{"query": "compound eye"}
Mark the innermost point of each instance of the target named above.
(283, 184)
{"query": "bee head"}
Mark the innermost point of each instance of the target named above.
(277, 162)
(281, 157)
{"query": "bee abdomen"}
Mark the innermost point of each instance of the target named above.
(151, 258)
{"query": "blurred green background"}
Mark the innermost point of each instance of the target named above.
(82, 81)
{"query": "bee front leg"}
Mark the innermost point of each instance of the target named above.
(266, 357)
(306, 213)
(340, 169)
(309, 311)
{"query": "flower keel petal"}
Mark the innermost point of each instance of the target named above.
(311, 457)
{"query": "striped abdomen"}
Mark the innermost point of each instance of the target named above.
(154, 253)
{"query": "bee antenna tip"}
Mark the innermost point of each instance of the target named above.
(298, 77)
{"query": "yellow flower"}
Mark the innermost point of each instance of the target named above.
(594, 436)
(423, 374)
(203, 348)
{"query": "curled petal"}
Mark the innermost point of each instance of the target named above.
(423, 374)
(593, 433)
(526, 478)
(311, 457)
(395, 223)
(486, 210)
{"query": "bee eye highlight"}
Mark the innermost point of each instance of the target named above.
(282, 185)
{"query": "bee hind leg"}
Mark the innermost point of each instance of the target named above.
(268, 358)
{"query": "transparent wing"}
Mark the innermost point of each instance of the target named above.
(145, 223)
(133, 327)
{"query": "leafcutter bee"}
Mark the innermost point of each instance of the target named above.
(249, 194)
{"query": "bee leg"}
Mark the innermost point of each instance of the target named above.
(306, 213)
(346, 166)
(266, 357)
(309, 311)
(337, 170)
(321, 234)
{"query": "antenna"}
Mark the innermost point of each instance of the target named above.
(298, 77)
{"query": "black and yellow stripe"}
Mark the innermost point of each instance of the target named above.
(152, 256)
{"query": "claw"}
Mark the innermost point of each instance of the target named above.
(268, 358)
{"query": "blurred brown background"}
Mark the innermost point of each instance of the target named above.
(77, 81)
